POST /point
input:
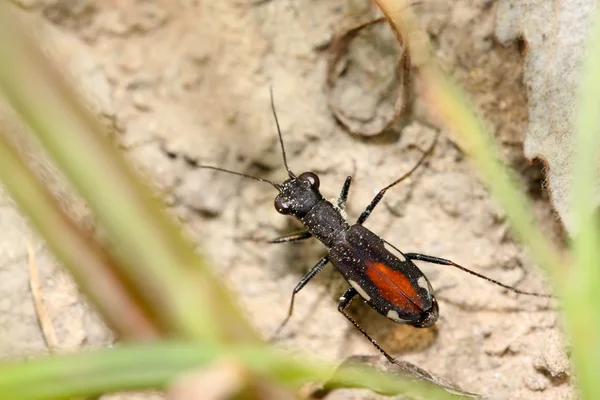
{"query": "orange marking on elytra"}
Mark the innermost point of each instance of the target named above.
(394, 286)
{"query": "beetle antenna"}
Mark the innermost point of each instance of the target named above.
(256, 178)
(290, 173)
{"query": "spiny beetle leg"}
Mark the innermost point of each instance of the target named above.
(429, 259)
(292, 237)
(365, 214)
(345, 301)
(344, 194)
(443, 261)
(311, 274)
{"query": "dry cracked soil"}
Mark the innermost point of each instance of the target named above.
(190, 79)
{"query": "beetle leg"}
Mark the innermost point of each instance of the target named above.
(443, 261)
(344, 194)
(345, 301)
(311, 274)
(292, 237)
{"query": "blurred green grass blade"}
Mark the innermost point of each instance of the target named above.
(95, 372)
(582, 292)
(450, 103)
(447, 103)
(89, 264)
(164, 268)
(139, 366)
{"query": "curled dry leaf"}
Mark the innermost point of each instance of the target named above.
(556, 38)
(371, 125)
(402, 368)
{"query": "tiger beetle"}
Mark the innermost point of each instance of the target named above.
(389, 283)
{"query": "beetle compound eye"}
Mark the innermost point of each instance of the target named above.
(282, 206)
(311, 178)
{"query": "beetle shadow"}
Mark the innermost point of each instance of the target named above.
(395, 338)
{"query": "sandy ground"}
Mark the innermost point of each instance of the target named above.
(190, 79)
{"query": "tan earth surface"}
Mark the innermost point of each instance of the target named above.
(191, 79)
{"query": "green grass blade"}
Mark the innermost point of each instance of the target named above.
(90, 265)
(582, 291)
(450, 106)
(163, 268)
(155, 365)
(450, 103)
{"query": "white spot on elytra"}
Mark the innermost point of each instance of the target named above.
(360, 290)
(422, 282)
(393, 315)
(397, 252)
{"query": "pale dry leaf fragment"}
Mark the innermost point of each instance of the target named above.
(38, 300)
(222, 381)
(555, 33)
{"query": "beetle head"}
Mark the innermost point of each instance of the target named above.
(298, 195)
